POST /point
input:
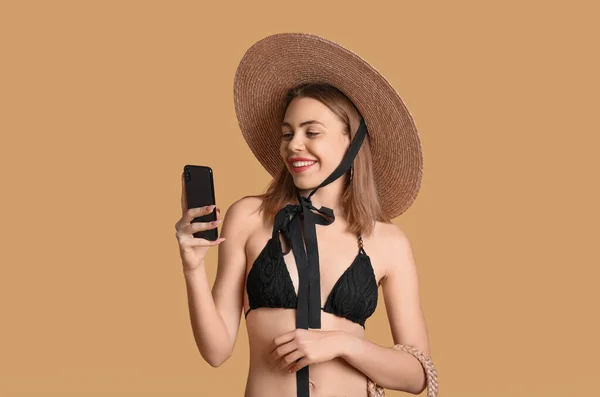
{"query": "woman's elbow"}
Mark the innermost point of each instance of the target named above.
(420, 389)
(216, 361)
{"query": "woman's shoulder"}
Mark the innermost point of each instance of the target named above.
(387, 233)
(248, 202)
(245, 212)
(388, 242)
(246, 206)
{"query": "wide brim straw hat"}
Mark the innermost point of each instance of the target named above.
(278, 62)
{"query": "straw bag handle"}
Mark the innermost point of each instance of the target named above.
(375, 390)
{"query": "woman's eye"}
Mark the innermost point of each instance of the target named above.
(310, 133)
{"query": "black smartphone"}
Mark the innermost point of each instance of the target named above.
(200, 192)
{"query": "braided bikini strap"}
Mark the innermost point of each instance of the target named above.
(375, 390)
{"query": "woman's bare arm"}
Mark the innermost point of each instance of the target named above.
(391, 368)
(215, 315)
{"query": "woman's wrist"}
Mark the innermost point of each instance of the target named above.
(348, 343)
(194, 272)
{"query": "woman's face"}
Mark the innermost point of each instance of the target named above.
(313, 132)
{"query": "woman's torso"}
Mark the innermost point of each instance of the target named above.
(337, 250)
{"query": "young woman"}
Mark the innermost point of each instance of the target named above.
(303, 262)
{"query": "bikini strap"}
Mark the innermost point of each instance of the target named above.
(360, 244)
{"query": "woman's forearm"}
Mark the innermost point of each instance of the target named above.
(210, 332)
(389, 368)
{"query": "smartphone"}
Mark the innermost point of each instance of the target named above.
(200, 192)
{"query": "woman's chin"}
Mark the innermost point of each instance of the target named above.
(307, 183)
(304, 184)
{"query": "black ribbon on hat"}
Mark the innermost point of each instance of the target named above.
(308, 312)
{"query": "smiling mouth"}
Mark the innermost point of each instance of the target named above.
(303, 165)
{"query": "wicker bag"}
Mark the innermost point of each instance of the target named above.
(374, 390)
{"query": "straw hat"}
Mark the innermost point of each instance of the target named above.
(276, 63)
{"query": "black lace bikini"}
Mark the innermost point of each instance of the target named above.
(354, 295)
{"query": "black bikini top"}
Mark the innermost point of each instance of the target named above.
(354, 295)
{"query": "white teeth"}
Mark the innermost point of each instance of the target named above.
(302, 163)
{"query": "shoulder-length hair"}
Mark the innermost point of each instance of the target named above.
(359, 200)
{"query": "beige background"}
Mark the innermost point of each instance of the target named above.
(103, 103)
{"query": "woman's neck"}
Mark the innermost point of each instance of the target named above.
(329, 196)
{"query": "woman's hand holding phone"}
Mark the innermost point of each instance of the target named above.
(191, 249)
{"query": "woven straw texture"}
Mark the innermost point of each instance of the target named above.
(279, 62)
(374, 390)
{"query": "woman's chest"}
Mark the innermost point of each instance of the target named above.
(338, 251)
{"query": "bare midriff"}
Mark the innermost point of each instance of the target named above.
(334, 378)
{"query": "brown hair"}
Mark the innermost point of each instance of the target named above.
(359, 199)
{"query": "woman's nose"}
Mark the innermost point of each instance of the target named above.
(296, 143)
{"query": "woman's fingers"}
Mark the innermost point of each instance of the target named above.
(195, 212)
(201, 242)
(283, 350)
(201, 226)
(186, 224)
(183, 227)
(290, 360)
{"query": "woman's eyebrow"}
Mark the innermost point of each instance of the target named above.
(286, 124)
